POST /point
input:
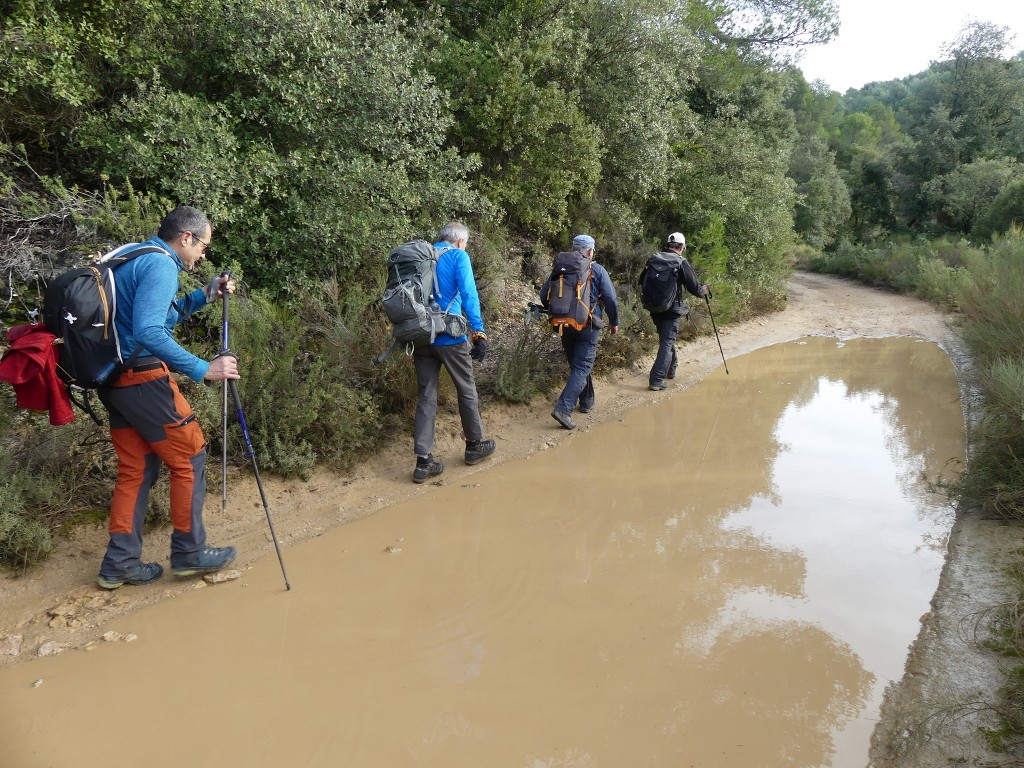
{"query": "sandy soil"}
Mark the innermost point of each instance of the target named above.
(55, 605)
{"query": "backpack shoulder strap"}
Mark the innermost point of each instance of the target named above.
(126, 253)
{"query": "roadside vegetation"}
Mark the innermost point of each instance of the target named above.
(319, 135)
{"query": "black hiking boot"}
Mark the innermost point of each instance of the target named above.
(426, 468)
(478, 450)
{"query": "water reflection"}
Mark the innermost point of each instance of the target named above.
(725, 579)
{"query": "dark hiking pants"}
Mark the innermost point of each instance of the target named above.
(456, 360)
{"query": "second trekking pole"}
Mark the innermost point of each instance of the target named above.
(231, 384)
(708, 302)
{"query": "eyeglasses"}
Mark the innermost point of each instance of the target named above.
(206, 246)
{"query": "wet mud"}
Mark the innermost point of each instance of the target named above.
(729, 576)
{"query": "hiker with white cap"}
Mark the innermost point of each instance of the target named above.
(577, 295)
(661, 292)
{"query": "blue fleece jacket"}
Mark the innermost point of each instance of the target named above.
(456, 284)
(146, 310)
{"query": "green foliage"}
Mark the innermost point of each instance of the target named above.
(526, 365)
(23, 538)
(823, 202)
(515, 103)
(48, 475)
(298, 405)
(631, 342)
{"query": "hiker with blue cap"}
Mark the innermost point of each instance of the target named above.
(578, 295)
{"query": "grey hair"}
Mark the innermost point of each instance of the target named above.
(452, 232)
(184, 218)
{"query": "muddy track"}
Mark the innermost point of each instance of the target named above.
(57, 604)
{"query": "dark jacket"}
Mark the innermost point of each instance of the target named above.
(687, 281)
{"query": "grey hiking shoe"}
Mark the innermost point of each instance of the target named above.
(564, 419)
(426, 468)
(478, 450)
(657, 386)
(143, 573)
(206, 560)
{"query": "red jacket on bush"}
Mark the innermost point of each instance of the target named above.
(30, 364)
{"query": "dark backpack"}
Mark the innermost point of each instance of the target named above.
(570, 295)
(410, 298)
(78, 308)
(659, 283)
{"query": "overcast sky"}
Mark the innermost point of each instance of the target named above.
(890, 39)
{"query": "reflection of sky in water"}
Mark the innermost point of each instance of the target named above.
(847, 499)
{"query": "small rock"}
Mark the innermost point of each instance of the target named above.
(49, 648)
(11, 645)
(112, 637)
(391, 549)
(37, 682)
(63, 610)
(91, 645)
(57, 622)
(219, 577)
(130, 638)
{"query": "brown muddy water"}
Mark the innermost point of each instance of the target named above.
(728, 578)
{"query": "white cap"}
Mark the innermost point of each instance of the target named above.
(676, 238)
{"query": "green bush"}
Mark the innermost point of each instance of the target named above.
(24, 539)
(527, 364)
(297, 401)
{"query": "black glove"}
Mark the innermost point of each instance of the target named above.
(479, 350)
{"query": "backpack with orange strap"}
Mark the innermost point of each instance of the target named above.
(570, 291)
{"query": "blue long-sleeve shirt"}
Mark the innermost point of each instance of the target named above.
(146, 311)
(456, 291)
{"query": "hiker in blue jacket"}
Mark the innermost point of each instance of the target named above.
(456, 292)
(580, 346)
(150, 422)
(667, 322)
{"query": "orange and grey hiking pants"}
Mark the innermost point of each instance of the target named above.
(150, 423)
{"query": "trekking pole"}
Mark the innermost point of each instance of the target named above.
(708, 302)
(250, 453)
(224, 405)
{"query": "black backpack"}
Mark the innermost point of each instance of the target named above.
(659, 283)
(78, 308)
(410, 298)
(570, 294)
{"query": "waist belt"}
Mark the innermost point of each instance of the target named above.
(145, 364)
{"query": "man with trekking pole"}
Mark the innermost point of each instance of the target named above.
(661, 289)
(150, 421)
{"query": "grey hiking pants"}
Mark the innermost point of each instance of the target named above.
(456, 360)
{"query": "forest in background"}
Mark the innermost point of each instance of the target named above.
(317, 134)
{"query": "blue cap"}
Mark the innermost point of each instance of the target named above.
(582, 242)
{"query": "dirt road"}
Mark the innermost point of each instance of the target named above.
(55, 606)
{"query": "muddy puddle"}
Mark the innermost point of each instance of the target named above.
(729, 577)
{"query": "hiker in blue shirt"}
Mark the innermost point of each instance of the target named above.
(456, 293)
(580, 346)
(150, 421)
